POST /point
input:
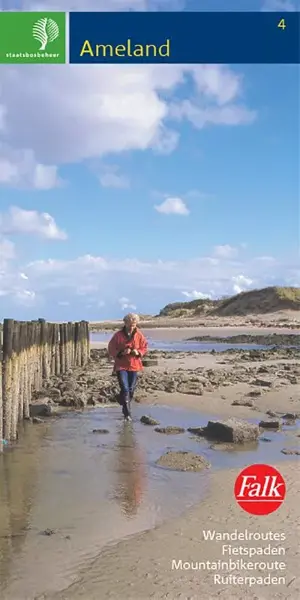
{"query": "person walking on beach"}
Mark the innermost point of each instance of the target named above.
(127, 347)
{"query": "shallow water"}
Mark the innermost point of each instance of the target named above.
(184, 346)
(94, 488)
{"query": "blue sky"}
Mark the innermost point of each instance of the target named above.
(129, 187)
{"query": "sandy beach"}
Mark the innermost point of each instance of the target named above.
(285, 398)
(141, 567)
(177, 559)
(150, 565)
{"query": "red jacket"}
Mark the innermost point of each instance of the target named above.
(119, 342)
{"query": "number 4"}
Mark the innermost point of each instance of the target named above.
(282, 24)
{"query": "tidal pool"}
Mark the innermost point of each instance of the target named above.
(66, 492)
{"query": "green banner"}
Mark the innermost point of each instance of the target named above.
(32, 37)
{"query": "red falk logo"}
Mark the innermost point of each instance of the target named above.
(259, 489)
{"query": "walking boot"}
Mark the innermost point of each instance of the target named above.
(126, 407)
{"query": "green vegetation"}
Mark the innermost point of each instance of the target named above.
(266, 300)
(178, 309)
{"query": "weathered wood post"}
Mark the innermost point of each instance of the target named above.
(27, 368)
(77, 344)
(34, 354)
(82, 342)
(44, 349)
(37, 353)
(49, 348)
(88, 349)
(21, 371)
(73, 344)
(40, 355)
(62, 334)
(71, 349)
(8, 329)
(65, 327)
(67, 346)
(52, 349)
(85, 342)
(1, 397)
(32, 359)
(71, 334)
(57, 349)
(15, 380)
(61, 351)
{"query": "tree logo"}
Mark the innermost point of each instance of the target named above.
(45, 31)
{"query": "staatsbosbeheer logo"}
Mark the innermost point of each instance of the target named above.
(32, 37)
(45, 31)
(259, 489)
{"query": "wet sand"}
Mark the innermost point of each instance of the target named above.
(140, 566)
(282, 320)
(184, 333)
(68, 492)
(218, 402)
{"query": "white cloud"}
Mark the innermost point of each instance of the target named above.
(173, 206)
(280, 6)
(7, 254)
(18, 220)
(225, 251)
(126, 305)
(86, 289)
(89, 5)
(25, 297)
(266, 258)
(194, 295)
(193, 194)
(100, 5)
(201, 116)
(241, 284)
(85, 279)
(217, 83)
(110, 177)
(58, 114)
(18, 168)
(165, 140)
(7, 249)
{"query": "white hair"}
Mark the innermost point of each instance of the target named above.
(131, 317)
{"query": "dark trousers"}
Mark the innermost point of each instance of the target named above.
(127, 382)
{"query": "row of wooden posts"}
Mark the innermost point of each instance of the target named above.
(32, 352)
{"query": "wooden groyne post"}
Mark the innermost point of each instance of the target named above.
(33, 352)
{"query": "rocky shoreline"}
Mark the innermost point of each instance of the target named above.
(242, 385)
(273, 339)
(95, 384)
(238, 401)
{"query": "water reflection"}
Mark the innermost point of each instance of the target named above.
(130, 472)
(18, 470)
